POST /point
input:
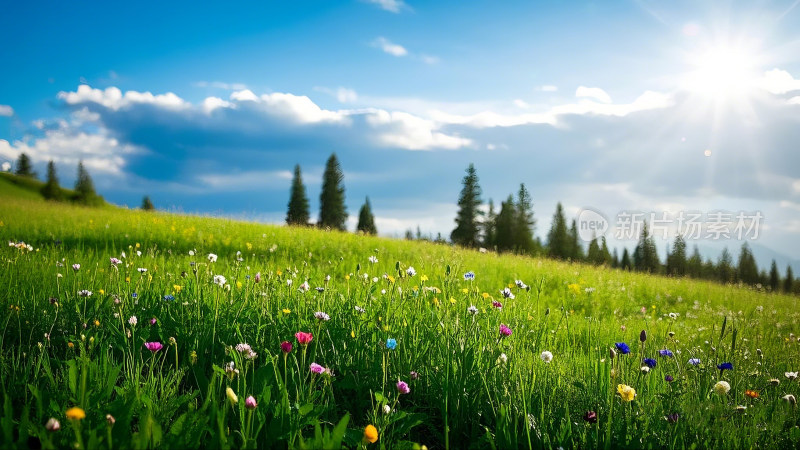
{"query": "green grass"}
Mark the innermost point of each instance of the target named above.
(465, 396)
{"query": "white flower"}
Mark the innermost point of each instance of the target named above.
(546, 356)
(85, 293)
(220, 280)
(142, 270)
(138, 253)
(472, 310)
(502, 359)
(133, 321)
(791, 375)
(289, 282)
(383, 291)
(122, 255)
(319, 315)
(520, 284)
(673, 315)
(212, 257)
(387, 409)
(645, 370)
(359, 310)
(411, 271)
(507, 293)
(374, 279)
(373, 259)
(304, 287)
(722, 387)
(245, 350)
(191, 252)
(76, 267)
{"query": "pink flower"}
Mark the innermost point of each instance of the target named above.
(250, 403)
(316, 368)
(258, 277)
(153, 321)
(402, 387)
(286, 347)
(303, 338)
(154, 346)
(504, 330)
(497, 304)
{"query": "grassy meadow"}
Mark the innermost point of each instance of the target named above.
(128, 329)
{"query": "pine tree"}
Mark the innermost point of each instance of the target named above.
(84, 188)
(557, 237)
(625, 263)
(366, 221)
(594, 256)
(468, 222)
(489, 229)
(694, 267)
(788, 283)
(297, 213)
(505, 225)
(332, 211)
(524, 222)
(725, 272)
(574, 243)
(605, 254)
(747, 270)
(147, 205)
(774, 277)
(51, 190)
(676, 261)
(615, 259)
(24, 166)
(645, 257)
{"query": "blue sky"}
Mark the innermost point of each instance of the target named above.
(610, 105)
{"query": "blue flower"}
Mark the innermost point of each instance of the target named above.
(169, 297)
(391, 343)
(623, 348)
(694, 361)
(469, 276)
(134, 295)
(725, 366)
(650, 362)
(666, 352)
(668, 378)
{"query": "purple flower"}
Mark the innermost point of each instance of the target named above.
(402, 387)
(250, 403)
(694, 361)
(623, 348)
(643, 336)
(153, 321)
(413, 374)
(504, 330)
(316, 368)
(672, 418)
(650, 362)
(286, 347)
(258, 277)
(665, 352)
(668, 378)
(590, 417)
(497, 304)
(153, 346)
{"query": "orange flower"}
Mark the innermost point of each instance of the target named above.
(751, 394)
(371, 434)
(76, 413)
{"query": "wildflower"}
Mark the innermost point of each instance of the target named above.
(153, 321)
(76, 267)
(668, 378)
(303, 338)
(590, 417)
(722, 387)
(751, 393)
(231, 396)
(666, 353)
(774, 381)
(316, 368)
(623, 348)
(172, 341)
(645, 370)
(110, 420)
(212, 258)
(133, 321)
(546, 356)
(791, 375)
(643, 336)
(671, 334)
(142, 270)
(411, 271)
(725, 366)
(504, 330)
(387, 409)
(286, 311)
(612, 353)
(372, 259)
(391, 343)
(469, 276)
(370, 432)
(472, 310)
(320, 289)
(76, 413)
(154, 346)
(231, 370)
(245, 350)
(402, 387)
(286, 347)
(650, 362)
(169, 298)
(52, 425)
(114, 261)
(789, 398)
(321, 316)
(220, 280)
(507, 293)
(497, 305)
(502, 359)
(413, 374)
(304, 287)
(289, 282)
(250, 403)
(626, 392)
(360, 310)
(520, 284)
(672, 418)
(694, 361)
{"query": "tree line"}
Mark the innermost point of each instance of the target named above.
(511, 229)
(83, 193)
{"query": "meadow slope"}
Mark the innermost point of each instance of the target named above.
(169, 323)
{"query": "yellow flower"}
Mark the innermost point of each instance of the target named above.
(101, 292)
(70, 345)
(626, 392)
(127, 279)
(436, 301)
(76, 413)
(347, 277)
(485, 295)
(238, 285)
(574, 288)
(177, 288)
(452, 301)
(352, 334)
(248, 245)
(464, 290)
(286, 310)
(231, 396)
(371, 434)
(96, 323)
(424, 278)
(137, 245)
(278, 273)
(391, 279)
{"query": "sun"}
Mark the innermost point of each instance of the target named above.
(723, 72)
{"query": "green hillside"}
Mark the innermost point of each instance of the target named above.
(145, 329)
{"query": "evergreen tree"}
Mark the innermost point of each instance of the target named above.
(747, 270)
(725, 272)
(489, 229)
(625, 263)
(557, 238)
(366, 221)
(574, 243)
(676, 261)
(147, 204)
(605, 254)
(84, 188)
(51, 190)
(615, 259)
(788, 283)
(298, 211)
(645, 256)
(774, 277)
(594, 256)
(524, 222)
(468, 222)
(24, 166)
(694, 267)
(332, 211)
(505, 225)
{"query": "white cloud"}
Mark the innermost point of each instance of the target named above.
(389, 47)
(548, 88)
(6, 110)
(113, 98)
(522, 104)
(794, 101)
(221, 85)
(242, 181)
(345, 95)
(779, 81)
(428, 59)
(595, 93)
(389, 5)
(403, 130)
(212, 103)
(245, 95)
